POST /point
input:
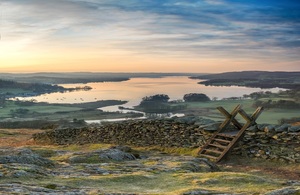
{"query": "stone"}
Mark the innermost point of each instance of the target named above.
(282, 128)
(25, 156)
(210, 127)
(20, 173)
(252, 128)
(115, 154)
(294, 129)
(269, 128)
(284, 191)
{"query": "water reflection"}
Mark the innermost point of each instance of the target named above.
(135, 89)
(146, 115)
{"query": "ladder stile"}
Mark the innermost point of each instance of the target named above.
(221, 142)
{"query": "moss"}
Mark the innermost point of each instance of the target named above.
(86, 159)
(45, 152)
(97, 146)
(51, 186)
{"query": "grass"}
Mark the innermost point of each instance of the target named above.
(66, 111)
(14, 90)
(205, 109)
(270, 116)
(47, 153)
(171, 150)
(86, 147)
(45, 109)
(233, 182)
(164, 183)
(52, 109)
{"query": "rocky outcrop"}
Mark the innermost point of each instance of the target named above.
(23, 156)
(23, 163)
(280, 142)
(105, 155)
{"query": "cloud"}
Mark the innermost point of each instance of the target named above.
(177, 28)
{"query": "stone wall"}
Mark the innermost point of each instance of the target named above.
(262, 141)
(168, 133)
(281, 142)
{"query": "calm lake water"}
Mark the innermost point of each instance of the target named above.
(135, 89)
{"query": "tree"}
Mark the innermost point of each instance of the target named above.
(156, 104)
(196, 97)
(158, 98)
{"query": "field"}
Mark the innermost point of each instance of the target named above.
(13, 111)
(89, 111)
(269, 116)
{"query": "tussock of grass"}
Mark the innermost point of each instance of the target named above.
(45, 152)
(97, 146)
(86, 147)
(89, 160)
(61, 158)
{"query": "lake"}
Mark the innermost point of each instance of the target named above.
(135, 89)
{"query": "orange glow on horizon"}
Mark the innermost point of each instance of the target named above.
(28, 58)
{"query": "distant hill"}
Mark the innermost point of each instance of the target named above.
(83, 77)
(258, 79)
(250, 75)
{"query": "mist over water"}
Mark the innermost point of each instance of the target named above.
(135, 89)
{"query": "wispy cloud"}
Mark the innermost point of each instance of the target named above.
(177, 28)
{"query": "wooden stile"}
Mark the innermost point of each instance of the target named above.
(223, 141)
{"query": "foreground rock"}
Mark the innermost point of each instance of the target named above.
(101, 170)
(115, 161)
(23, 156)
(23, 163)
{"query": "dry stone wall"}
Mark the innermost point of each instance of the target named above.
(281, 142)
(168, 133)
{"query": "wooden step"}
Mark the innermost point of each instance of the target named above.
(213, 151)
(218, 146)
(222, 140)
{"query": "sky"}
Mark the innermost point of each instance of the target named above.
(199, 36)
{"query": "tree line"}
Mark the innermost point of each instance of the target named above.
(160, 103)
